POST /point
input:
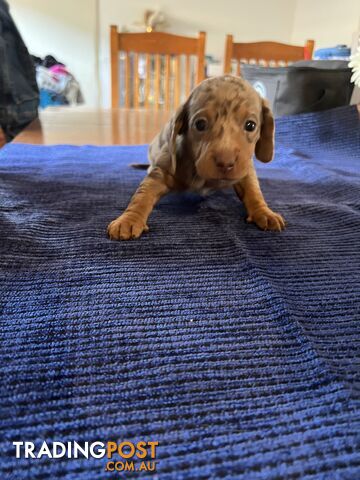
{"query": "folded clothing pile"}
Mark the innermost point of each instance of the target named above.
(56, 83)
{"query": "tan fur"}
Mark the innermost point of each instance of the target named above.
(182, 158)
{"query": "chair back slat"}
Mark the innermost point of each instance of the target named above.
(127, 80)
(114, 62)
(147, 80)
(188, 75)
(136, 79)
(151, 68)
(157, 85)
(177, 81)
(167, 81)
(201, 57)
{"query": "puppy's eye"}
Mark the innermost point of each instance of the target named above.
(201, 124)
(250, 126)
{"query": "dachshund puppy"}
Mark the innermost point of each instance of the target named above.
(207, 145)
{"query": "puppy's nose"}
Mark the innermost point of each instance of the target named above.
(224, 167)
(225, 161)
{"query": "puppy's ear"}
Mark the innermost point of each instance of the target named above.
(264, 149)
(179, 127)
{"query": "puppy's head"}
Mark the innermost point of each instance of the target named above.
(224, 122)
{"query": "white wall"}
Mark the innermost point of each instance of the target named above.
(65, 29)
(328, 22)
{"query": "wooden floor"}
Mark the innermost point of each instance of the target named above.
(86, 126)
(82, 126)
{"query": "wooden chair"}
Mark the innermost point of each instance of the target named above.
(163, 56)
(265, 53)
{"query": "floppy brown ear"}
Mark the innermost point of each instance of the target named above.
(264, 149)
(179, 127)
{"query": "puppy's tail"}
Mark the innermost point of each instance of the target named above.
(139, 166)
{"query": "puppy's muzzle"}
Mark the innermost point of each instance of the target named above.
(225, 160)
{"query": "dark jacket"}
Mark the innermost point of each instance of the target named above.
(19, 95)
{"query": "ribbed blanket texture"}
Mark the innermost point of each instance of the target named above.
(236, 349)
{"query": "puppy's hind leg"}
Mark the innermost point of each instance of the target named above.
(133, 222)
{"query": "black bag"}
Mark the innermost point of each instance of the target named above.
(19, 94)
(305, 86)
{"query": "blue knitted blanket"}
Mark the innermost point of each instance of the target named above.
(236, 350)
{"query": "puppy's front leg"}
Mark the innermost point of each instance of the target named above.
(132, 223)
(248, 190)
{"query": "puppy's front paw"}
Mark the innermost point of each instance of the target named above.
(266, 219)
(128, 225)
